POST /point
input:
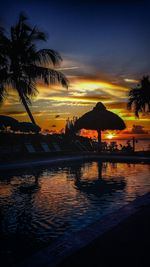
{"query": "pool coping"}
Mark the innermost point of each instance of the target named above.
(68, 158)
(64, 247)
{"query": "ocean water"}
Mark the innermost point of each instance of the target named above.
(140, 145)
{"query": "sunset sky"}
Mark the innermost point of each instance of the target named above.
(105, 49)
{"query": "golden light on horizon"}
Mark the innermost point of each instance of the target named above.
(81, 97)
(110, 135)
(89, 84)
(131, 80)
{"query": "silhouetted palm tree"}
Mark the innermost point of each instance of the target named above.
(139, 97)
(22, 64)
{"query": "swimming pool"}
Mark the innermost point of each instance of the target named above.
(41, 204)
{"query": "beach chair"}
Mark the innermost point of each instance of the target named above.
(17, 148)
(81, 146)
(45, 147)
(30, 148)
(56, 147)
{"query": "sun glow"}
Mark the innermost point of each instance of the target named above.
(110, 135)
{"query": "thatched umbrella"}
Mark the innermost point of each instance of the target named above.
(98, 186)
(100, 119)
(6, 121)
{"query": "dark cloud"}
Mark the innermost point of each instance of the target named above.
(117, 105)
(125, 115)
(91, 97)
(15, 112)
(137, 129)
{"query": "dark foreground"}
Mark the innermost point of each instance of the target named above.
(127, 244)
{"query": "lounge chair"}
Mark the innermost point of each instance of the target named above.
(30, 148)
(17, 148)
(81, 146)
(56, 147)
(45, 147)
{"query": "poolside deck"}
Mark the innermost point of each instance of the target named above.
(60, 158)
(127, 244)
(118, 239)
(109, 234)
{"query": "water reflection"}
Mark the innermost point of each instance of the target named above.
(98, 185)
(39, 205)
(31, 184)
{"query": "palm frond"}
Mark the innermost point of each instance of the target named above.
(3, 74)
(5, 44)
(49, 76)
(139, 97)
(7, 79)
(27, 87)
(48, 56)
(26, 90)
(22, 65)
(3, 93)
(36, 35)
(22, 27)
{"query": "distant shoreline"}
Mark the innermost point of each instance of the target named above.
(130, 138)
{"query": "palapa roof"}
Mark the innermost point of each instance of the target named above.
(100, 119)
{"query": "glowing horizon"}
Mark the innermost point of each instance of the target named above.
(82, 96)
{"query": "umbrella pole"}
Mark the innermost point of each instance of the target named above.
(99, 140)
(99, 170)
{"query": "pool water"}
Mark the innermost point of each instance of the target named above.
(41, 204)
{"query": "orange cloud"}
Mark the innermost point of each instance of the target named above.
(84, 92)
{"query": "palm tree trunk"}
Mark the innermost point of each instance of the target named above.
(24, 102)
(99, 140)
(28, 111)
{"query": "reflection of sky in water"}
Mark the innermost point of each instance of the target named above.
(46, 203)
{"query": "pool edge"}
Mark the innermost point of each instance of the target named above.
(71, 243)
(66, 158)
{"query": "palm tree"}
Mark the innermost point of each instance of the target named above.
(22, 65)
(139, 97)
